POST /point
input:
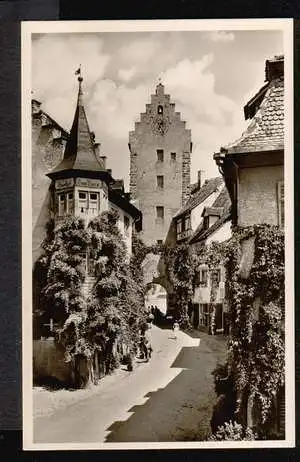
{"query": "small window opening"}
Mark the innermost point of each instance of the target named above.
(160, 155)
(160, 109)
(159, 212)
(160, 181)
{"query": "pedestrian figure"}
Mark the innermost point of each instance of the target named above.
(145, 344)
(175, 329)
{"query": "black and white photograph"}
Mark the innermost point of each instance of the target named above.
(157, 249)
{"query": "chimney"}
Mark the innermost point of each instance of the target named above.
(274, 68)
(199, 178)
(103, 159)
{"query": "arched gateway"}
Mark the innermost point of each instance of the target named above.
(159, 291)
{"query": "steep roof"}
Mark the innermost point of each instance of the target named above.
(223, 204)
(36, 111)
(208, 188)
(80, 150)
(266, 130)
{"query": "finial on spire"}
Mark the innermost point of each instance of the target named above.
(78, 72)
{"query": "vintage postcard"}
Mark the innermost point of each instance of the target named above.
(157, 218)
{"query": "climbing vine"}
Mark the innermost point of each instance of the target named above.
(256, 298)
(62, 267)
(108, 319)
(180, 267)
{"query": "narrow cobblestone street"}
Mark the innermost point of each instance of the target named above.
(168, 399)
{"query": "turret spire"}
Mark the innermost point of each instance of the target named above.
(80, 148)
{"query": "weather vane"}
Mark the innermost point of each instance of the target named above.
(78, 72)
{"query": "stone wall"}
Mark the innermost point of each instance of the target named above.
(257, 195)
(47, 150)
(159, 131)
(49, 362)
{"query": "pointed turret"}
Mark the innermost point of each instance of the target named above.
(80, 152)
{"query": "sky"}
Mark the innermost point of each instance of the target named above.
(210, 75)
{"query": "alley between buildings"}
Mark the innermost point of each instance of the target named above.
(168, 399)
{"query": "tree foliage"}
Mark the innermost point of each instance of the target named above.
(106, 320)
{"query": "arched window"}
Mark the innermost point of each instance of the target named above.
(160, 109)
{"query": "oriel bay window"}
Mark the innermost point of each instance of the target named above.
(94, 203)
(65, 204)
(83, 201)
(88, 202)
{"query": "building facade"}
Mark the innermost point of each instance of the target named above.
(160, 156)
(253, 166)
(253, 169)
(210, 307)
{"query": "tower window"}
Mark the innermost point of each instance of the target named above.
(159, 241)
(160, 212)
(61, 204)
(160, 109)
(160, 181)
(83, 203)
(173, 156)
(93, 203)
(160, 155)
(70, 203)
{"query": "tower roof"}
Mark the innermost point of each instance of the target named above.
(79, 152)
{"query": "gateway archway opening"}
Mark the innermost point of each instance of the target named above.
(156, 300)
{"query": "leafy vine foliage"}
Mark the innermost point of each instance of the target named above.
(180, 268)
(256, 352)
(61, 267)
(108, 320)
(254, 263)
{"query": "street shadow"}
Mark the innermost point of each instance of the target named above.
(182, 410)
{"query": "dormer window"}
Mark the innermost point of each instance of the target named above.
(160, 109)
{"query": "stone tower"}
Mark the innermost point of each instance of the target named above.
(160, 156)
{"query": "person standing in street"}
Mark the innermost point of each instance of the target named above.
(175, 329)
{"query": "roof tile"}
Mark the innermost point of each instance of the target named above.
(266, 130)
